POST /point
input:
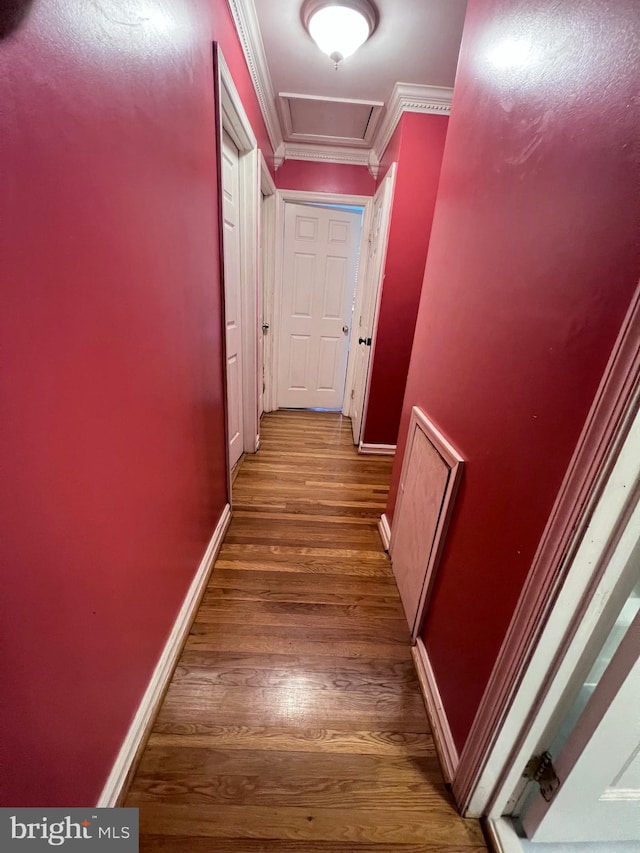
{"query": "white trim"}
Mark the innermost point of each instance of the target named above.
(501, 836)
(377, 449)
(267, 245)
(234, 121)
(246, 22)
(272, 310)
(442, 736)
(408, 98)
(388, 188)
(384, 529)
(149, 705)
(267, 184)
(539, 702)
(234, 118)
(327, 154)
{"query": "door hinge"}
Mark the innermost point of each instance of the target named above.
(353, 393)
(540, 769)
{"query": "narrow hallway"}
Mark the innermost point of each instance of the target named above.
(294, 720)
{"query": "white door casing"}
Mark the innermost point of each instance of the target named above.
(599, 765)
(235, 123)
(232, 300)
(582, 617)
(266, 269)
(321, 247)
(368, 305)
(273, 282)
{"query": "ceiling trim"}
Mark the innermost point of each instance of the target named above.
(408, 98)
(246, 21)
(326, 154)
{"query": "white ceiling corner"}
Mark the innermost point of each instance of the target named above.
(299, 66)
(413, 98)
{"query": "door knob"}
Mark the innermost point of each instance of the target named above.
(366, 341)
(345, 329)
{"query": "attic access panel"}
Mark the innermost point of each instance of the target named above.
(309, 118)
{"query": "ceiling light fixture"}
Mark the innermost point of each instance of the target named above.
(339, 27)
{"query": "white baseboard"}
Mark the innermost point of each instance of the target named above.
(148, 707)
(385, 531)
(377, 449)
(445, 745)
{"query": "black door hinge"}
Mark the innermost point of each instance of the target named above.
(540, 769)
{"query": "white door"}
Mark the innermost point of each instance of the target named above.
(232, 301)
(321, 247)
(599, 763)
(262, 332)
(367, 310)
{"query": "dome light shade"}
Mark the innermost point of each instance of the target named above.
(339, 28)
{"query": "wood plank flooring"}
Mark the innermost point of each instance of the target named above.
(294, 720)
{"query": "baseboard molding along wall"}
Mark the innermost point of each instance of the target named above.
(385, 531)
(148, 708)
(442, 736)
(377, 449)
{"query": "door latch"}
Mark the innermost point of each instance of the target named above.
(540, 769)
(366, 341)
(265, 328)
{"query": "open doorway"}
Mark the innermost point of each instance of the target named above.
(332, 360)
(321, 251)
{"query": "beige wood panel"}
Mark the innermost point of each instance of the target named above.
(414, 532)
(430, 474)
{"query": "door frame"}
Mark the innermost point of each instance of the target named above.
(267, 245)
(514, 697)
(268, 232)
(233, 119)
(274, 298)
(585, 610)
(375, 281)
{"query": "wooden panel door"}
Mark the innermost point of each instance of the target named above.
(232, 302)
(321, 247)
(428, 482)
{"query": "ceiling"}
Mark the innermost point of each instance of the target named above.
(316, 112)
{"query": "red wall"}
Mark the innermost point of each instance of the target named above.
(112, 435)
(532, 264)
(417, 147)
(325, 178)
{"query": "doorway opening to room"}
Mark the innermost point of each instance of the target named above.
(320, 261)
(320, 309)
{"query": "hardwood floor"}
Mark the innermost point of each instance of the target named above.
(294, 720)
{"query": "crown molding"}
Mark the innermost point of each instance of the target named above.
(327, 154)
(408, 98)
(246, 22)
